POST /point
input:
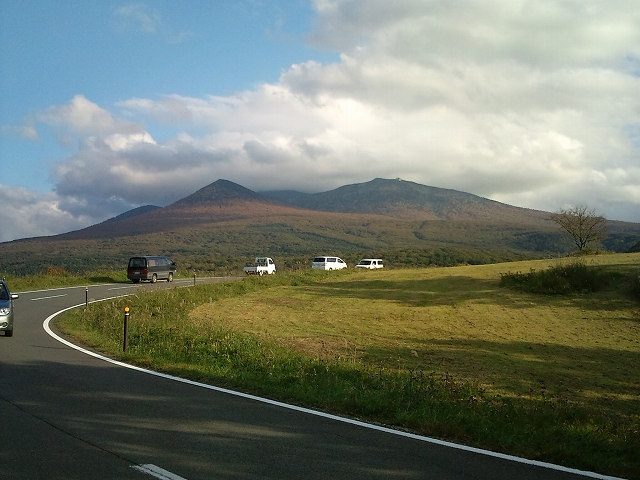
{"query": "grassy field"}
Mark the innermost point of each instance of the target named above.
(446, 352)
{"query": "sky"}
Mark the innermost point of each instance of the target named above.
(109, 105)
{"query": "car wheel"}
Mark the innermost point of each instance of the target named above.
(8, 333)
(154, 278)
(137, 280)
(170, 277)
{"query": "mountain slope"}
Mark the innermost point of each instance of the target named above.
(134, 213)
(219, 201)
(404, 199)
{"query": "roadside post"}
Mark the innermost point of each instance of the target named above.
(194, 278)
(126, 329)
(86, 297)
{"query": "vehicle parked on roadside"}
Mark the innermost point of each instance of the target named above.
(328, 263)
(151, 268)
(261, 266)
(6, 309)
(370, 263)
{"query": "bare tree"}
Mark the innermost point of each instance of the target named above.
(582, 224)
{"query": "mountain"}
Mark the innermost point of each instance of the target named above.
(220, 192)
(220, 201)
(404, 199)
(225, 224)
(223, 200)
(133, 213)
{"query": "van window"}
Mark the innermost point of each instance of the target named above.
(137, 262)
(331, 259)
(319, 259)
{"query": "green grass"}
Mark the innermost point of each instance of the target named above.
(60, 278)
(445, 352)
(56, 278)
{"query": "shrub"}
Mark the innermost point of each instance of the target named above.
(559, 280)
(57, 271)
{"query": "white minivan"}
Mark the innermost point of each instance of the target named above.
(328, 263)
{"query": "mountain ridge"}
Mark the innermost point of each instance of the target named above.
(224, 223)
(405, 199)
(224, 200)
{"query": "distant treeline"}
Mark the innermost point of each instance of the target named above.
(44, 261)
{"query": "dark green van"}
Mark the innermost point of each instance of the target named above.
(151, 268)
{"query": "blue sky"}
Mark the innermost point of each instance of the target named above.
(108, 105)
(52, 51)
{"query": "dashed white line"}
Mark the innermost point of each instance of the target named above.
(157, 472)
(46, 298)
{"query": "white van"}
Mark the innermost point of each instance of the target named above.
(328, 263)
(370, 263)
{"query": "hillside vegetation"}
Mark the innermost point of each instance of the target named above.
(446, 352)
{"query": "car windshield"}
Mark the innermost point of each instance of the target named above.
(4, 293)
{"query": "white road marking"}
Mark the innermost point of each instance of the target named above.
(120, 288)
(308, 411)
(65, 288)
(45, 298)
(157, 472)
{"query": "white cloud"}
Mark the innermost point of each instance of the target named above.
(81, 116)
(533, 103)
(137, 15)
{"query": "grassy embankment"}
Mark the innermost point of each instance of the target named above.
(445, 352)
(61, 279)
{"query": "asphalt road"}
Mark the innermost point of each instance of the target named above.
(65, 414)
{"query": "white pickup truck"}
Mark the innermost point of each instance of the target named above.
(262, 266)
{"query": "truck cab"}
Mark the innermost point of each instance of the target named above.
(261, 266)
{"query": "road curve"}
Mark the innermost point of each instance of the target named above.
(67, 414)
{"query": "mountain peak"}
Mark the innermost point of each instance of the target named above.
(219, 192)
